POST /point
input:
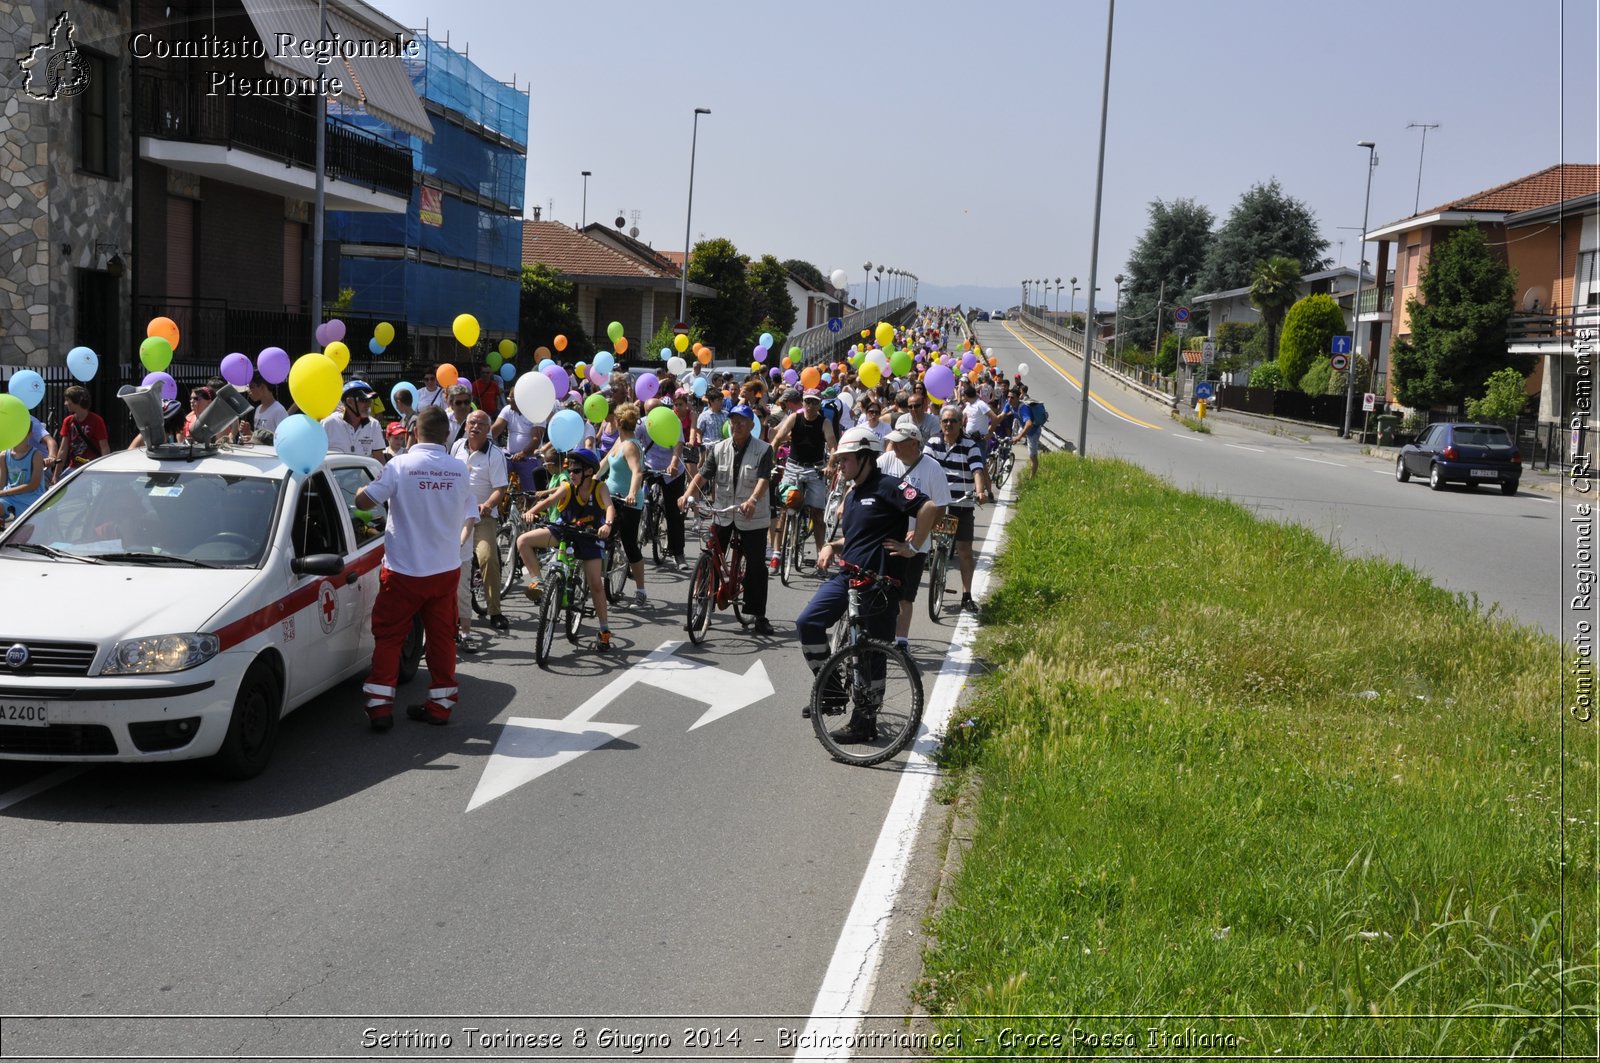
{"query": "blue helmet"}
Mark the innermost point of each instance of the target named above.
(584, 456)
(358, 389)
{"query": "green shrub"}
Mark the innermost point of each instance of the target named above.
(1308, 331)
(1266, 375)
(1316, 379)
(1505, 395)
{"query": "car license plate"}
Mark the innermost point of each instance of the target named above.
(1486, 474)
(19, 714)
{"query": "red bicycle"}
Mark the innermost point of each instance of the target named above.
(718, 580)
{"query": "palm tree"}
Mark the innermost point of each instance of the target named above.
(1274, 287)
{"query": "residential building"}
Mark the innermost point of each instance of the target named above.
(1545, 233)
(1339, 283)
(456, 247)
(1558, 295)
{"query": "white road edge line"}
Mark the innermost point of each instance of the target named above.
(1319, 461)
(40, 785)
(1240, 446)
(847, 988)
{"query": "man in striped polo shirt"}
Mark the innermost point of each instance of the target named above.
(961, 457)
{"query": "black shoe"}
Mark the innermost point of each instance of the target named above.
(763, 626)
(859, 729)
(382, 723)
(421, 714)
(465, 645)
(968, 605)
(500, 624)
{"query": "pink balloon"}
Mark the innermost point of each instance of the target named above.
(168, 386)
(597, 378)
(558, 378)
(273, 365)
(647, 386)
(237, 370)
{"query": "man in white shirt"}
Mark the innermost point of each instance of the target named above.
(489, 483)
(269, 411)
(351, 428)
(430, 505)
(522, 438)
(430, 394)
(905, 458)
(976, 414)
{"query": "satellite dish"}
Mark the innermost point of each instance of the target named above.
(634, 232)
(1535, 299)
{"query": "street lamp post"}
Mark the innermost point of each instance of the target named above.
(1361, 258)
(683, 290)
(1116, 338)
(879, 279)
(1073, 306)
(586, 173)
(866, 279)
(1094, 239)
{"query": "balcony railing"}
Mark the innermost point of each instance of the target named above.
(1376, 300)
(1564, 324)
(175, 109)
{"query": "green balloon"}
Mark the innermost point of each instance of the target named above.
(726, 431)
(155, 353)
(663, 426)
(595, 407)
(614, 330)
(900, 362)
(795, 352)
(13, 421)
(495, 361)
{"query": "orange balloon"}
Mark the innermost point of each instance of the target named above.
(811, 377)
(621, 346)
(704, 355)
(994, 363)
(785, 363)
(446, 375)
(697, 347)
(164, 327)
(561, 343)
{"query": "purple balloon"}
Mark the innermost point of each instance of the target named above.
(968, 360)
(941, 382)
(237, 370)
(273, 365)
(774, 371)
(321, 333)
(647, 385)
(790, 376)
(335, 330)
(759, 354)
(168, 386)
(558, 379)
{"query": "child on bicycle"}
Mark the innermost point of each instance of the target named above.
(581, 502)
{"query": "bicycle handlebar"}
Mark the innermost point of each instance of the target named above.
(866, 575)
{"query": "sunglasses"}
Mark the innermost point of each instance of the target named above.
(462, 405)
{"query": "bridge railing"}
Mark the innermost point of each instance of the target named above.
(1104, 358)
(821, 344)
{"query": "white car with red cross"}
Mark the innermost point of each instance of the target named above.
(176, 603)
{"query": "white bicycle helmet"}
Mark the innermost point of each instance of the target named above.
(860, 438)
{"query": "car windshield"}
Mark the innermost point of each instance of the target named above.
(146, 518)
(1482, 437)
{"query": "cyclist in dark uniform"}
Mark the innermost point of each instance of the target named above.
(873, 527)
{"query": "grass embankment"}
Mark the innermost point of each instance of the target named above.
(1226, 771)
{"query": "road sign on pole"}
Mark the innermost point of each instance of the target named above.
(1341, 345)
(1181, 315)
(1369, 402)
(1208, 352)
(1340, 363)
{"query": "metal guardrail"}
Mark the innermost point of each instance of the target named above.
(1104, 361)
(820, 343)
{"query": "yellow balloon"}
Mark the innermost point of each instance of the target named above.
(314, 382)
(885, 334)
(465, 326)
(508, 349)
(680, 343)
(384, 333)
(871, 374)
(338, 354)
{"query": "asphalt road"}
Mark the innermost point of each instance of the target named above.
(1507, 551)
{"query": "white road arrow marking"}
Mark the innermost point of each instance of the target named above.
(528, 748)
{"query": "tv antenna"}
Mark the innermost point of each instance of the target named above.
(1424, 126)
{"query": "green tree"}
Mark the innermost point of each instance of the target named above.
(663, 338)
(1308, 331)
(546, 311)
(1265, 223)
(1234, 344)
(1274, 286)
(1167, 357)
(728, 318)
(1170, 253)
(771, 308)
(1505, 396)
(1266, 375)
(808, 273)
(1317, 379)
(1458, 327)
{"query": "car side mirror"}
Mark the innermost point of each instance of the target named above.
(317, 565)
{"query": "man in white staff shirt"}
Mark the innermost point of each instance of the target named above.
(904, 458)
(430, 507)
(488, 479)
(351, 428)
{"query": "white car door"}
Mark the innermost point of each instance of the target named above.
(368, 557)
(326, 627)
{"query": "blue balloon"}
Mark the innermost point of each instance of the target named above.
(666, 353)
(83, 363)
(28, 386)
(374, 346)
(604, 362)
(565, 431)
(699, 387)
(404, 385)
(827, 378)
(508, 372)
(766, 340)
(546, 364)
(301, 443)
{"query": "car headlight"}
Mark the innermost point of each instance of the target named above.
(160, 653)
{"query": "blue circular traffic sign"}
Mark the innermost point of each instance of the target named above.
(835, 324)
(1181, 314)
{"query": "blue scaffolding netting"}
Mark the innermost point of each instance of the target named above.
(431, 296)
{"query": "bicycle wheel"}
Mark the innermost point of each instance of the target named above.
(1003, 469)
(736, 599)
(549, 616)
(787, 569)
(655, 527)
(577, 597)
(616, 571)
(506, 542)
(938, 575)
(702, 596)
(480, 596)
(872, 681)
(802, 537)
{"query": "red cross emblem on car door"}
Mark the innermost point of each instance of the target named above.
(327, 606)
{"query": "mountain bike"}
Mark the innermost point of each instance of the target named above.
(940, 553)
(798, 533)
(564, 592)
(1001, 461)
(718, 580)
(867, 677)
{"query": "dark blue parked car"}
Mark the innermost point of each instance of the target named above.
(1462, 453)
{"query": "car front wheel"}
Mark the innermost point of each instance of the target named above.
(253, 727)
(1435, 478)
(1401, 473)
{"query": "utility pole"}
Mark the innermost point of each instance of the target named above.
(1424, 126)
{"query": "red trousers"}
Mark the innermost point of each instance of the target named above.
(400, 598)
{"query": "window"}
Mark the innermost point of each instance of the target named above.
(317, 527)
(1586, 290)
(98, 128)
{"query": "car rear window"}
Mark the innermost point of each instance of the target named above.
(1483, 437)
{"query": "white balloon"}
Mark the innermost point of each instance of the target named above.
(839, 278)
(1022, 368)
(536, 396)
(676, 366)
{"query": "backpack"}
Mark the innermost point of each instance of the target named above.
(1037, 414)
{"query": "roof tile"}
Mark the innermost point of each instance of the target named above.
(1550, 185)
(570, 252)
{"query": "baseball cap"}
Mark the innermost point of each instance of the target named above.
(743, 410)
(790, 395)
(170, 408)
(812, 393)
(396, 429)
(905, 429)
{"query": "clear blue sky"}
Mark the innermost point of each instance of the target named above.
(957, 141)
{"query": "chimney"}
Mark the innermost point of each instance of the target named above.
(536, 213)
